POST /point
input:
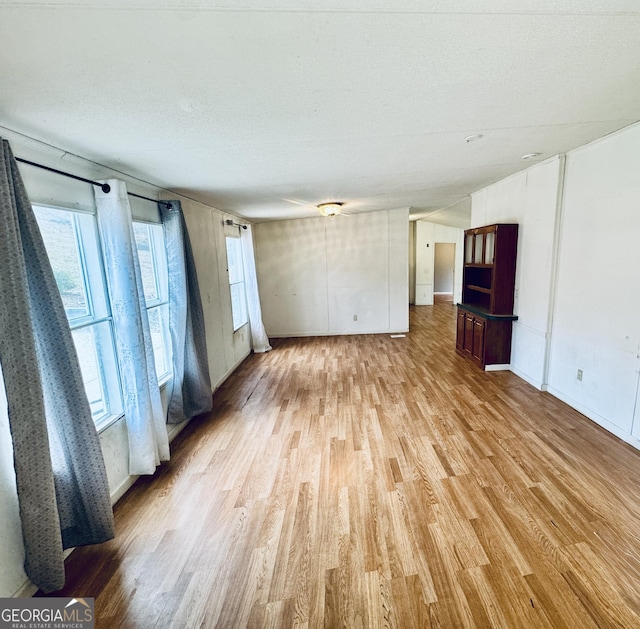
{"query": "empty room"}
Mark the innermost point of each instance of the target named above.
(319, 314)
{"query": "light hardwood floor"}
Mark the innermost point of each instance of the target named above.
(365, 481)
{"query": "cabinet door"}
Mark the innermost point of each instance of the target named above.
(468, 247)
(468, 332)
(489, 247)
(478, 339)
(460, 330)
(478, 248)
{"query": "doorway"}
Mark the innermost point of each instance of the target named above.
(444, 255)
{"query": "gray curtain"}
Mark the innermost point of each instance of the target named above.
(191, 392)
(60, 475)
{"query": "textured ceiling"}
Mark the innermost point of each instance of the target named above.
(265, 109)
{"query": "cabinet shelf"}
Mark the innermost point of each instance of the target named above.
(479, 289)
(489, 271)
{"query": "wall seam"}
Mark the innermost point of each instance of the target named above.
(557, 238)
(388, 270)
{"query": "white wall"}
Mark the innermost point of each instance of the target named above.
(226, 349)
(317, 274)
(578, 274)
(529, 198)
(596, 326)
(427, 235)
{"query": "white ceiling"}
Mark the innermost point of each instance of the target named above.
(267, 108)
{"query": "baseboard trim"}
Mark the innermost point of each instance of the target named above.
(534, 383)
(122, 489)
(498, 367)
(27, 590)
(596, 418)
(295, 335)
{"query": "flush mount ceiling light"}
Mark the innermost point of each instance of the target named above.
(530, 155)
(330, 209)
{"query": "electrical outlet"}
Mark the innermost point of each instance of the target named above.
(355, 317)
(579, 376)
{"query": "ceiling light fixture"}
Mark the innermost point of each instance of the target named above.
(330, 209)
(530, 155)
(473, 138)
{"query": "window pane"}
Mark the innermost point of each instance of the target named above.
(234, 260)
(156, 324)
(236, 282)
(96, 356)
(160, 261)
(145, 256)
(238, 305)
(60, 239)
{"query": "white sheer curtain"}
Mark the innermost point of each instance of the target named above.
(148, 439)
(259, 339)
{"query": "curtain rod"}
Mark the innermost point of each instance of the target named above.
(105, 187)
(230, 222)
(139, 196)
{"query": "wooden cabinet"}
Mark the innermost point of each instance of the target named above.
(477, 347)
(485, 315)
(468, 333)
(484, 338)
(490, 267)
(460, 329)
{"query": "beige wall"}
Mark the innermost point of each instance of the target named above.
(346, 275)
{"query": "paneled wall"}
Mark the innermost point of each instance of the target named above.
(346, 275)
(578, 276)
(596, 327)
(529, 198)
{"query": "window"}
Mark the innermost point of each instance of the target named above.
(153, 267)
(70, 239)
(236, 282)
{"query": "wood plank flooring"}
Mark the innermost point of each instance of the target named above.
(365, 481)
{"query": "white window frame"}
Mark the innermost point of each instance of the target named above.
(159, 304)
(98, 318)
(237, 287)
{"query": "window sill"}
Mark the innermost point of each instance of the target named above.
(107, 422)
(164, 381)
(245, 324)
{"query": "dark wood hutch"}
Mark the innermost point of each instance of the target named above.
(485, 316)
